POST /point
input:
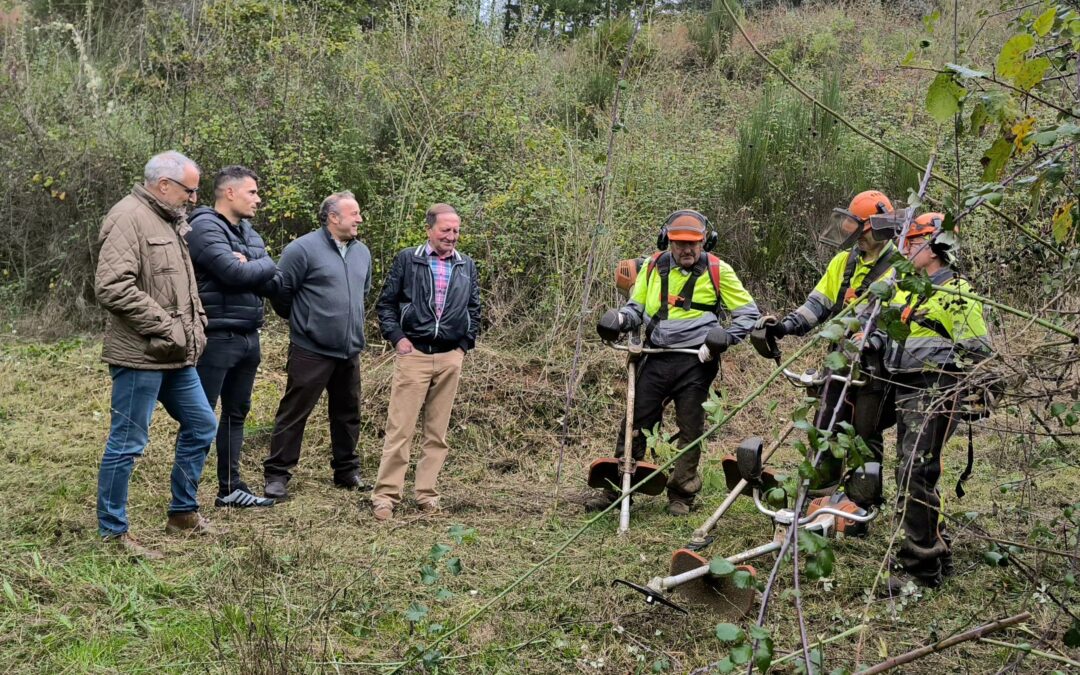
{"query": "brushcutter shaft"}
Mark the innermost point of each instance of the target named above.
(650, 350)
(628, 444)
(664, 584)
(702, 532)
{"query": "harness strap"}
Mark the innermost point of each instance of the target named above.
(969, 467)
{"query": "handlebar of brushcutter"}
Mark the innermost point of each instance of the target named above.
(638, 348)
(811, 379)
(785, 519)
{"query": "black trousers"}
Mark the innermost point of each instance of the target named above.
(925, 423)
(683, 379)
(227, 370)
(309, 375)
(869, 409)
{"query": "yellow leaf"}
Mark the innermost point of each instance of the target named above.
(1045, 22)
(1063, 221)
(1021, 131)
(62, 196)
(883, 649)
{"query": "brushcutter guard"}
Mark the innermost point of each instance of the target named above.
(718, 594)
(606, 473)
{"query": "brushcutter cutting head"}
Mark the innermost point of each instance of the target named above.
(863, 486)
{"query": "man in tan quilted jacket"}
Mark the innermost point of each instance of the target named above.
(155, 336)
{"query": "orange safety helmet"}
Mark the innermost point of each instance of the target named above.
(929, 225)
(925, 225)
(866, 204)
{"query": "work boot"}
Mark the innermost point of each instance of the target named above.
(276, 490)
(131, 546)
(675, 508)
(599, 502)
(429, 507)
(352, 482)
(190, 522)
(382, 512)
(899, 579)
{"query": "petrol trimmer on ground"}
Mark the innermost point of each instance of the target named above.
(620, 473)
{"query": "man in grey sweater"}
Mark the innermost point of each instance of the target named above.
(324, 277)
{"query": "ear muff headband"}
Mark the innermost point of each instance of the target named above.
(711, 236)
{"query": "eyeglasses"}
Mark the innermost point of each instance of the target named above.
(190, 191)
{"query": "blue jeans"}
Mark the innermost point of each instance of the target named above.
(135, 393)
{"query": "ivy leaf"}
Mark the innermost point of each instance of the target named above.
(996, 158)
(438, 551)
(943, 97)
(1011, 58)
(416, 612)
(965, 72)
(1062, 221)
(721, 567)
(1045, 22)
(1031, 73)
(728, 632)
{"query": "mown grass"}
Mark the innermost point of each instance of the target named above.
(315, 584)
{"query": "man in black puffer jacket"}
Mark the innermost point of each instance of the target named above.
(233, 273)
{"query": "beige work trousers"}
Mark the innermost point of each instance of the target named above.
(427, 381)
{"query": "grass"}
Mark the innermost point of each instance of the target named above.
(315, 584)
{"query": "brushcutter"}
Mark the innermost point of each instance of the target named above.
(693, 574)
(697, 579)
(625, 471)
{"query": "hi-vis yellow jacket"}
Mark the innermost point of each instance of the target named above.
(944, 328)
(823, 299)
(685, 326)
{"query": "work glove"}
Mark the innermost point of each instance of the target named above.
(704, 354)
(717, 340)
(610, 325)
(874, 344)
(774, 327)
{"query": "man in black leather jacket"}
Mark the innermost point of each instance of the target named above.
(429, 309)
(233, 272)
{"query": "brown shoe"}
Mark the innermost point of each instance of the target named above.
(189, 523)
(382, 512)
(678, 508)
(429, 506)
(133, 548)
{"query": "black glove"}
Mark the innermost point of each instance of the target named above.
(718, 340)
(874, 344)
(610, 326)
(774, 328)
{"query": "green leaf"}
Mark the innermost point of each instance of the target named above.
(428, 575)
(943, 97)
(461, 534)
(728, 632)
(836, 361)
(725, 665)
(721, 567)
(1062, 222)
(964, 71)
(1031, 73)
(1045, 138)
(453, 566)
(1011, 58)
(741, 654)
(742, 579)
(763, 655)
(416, 612)
(820, 565)
(1045, 21)
(995, 559)
(444, 594)
(438, 551)
(882, 289)
(1058, 409)
(832, 331)
(758, 632)
(996, 158)
(1072, 636)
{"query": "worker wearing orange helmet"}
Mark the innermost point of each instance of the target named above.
(947, 336)
(866, 256)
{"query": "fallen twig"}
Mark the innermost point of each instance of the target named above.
(940, 645)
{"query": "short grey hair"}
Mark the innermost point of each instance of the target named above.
(435, 211)
(168, 164)
(329, 205)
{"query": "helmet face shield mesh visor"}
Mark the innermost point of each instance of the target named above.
(842, 230)
(888, 226)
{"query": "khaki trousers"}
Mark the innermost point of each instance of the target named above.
(427, 381)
